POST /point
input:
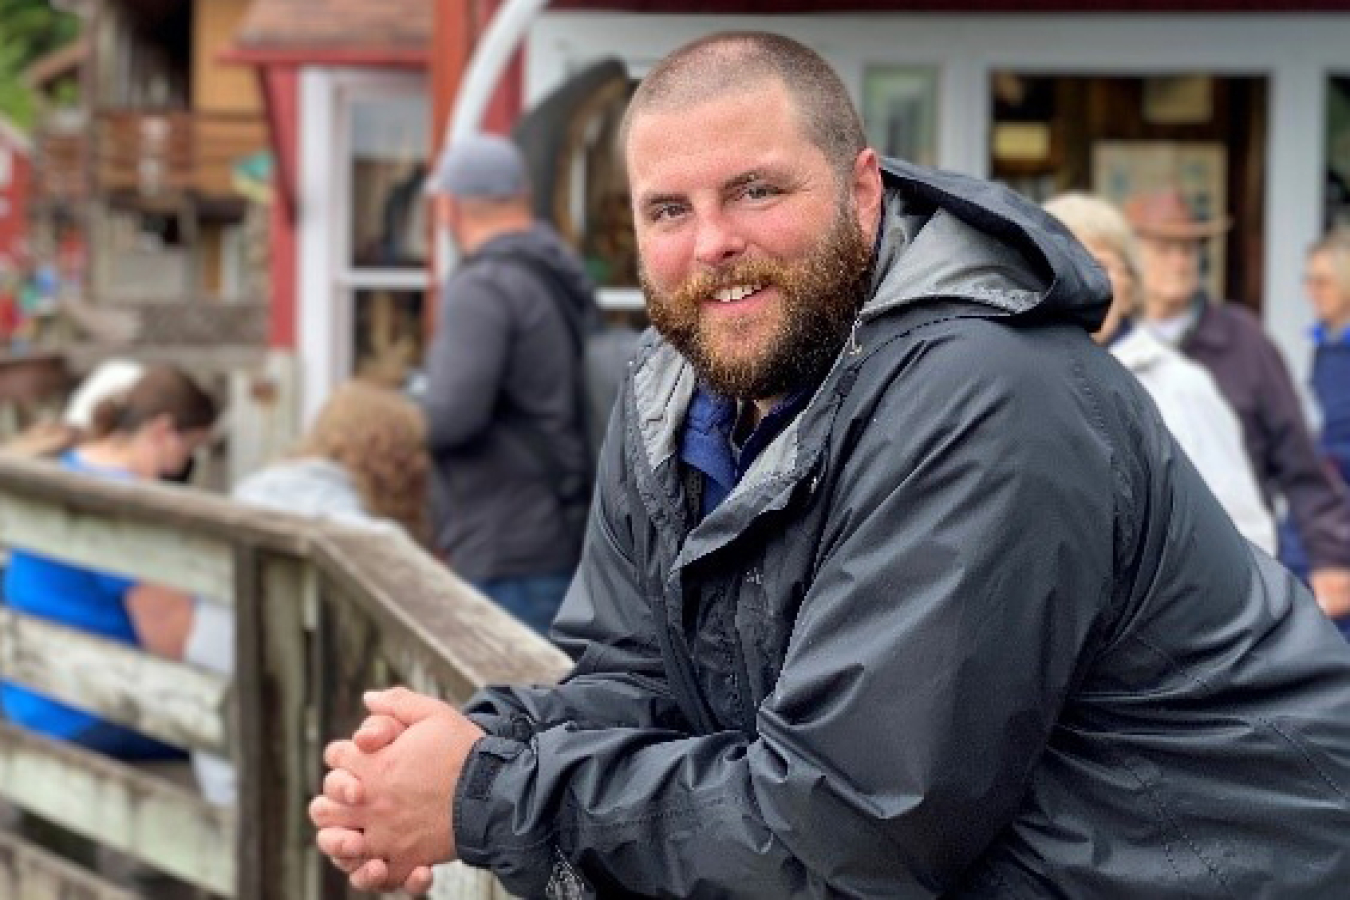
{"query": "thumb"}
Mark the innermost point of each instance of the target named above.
(402, 704)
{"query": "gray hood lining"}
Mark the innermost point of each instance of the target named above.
(940, 256)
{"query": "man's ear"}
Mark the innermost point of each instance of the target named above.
(867, 190)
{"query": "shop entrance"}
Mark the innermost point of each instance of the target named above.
(1114, 136)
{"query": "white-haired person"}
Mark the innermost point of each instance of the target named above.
(1185, 394)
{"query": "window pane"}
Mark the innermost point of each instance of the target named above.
(388, 140)
(386, 334)
(900, 112)
(1338, 153)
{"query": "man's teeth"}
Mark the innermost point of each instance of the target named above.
(732, 294)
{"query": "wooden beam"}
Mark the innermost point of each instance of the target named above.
(280, 751)
(28, 872)
(434, 627)
(177, 703)
(158, 552)
(172, 509)
(147, 818)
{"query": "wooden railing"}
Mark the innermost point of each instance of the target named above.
(151, 152)
(323, 613)
(147, 152)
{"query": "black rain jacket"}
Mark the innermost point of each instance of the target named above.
(972, 626)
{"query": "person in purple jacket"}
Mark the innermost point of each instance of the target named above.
(1229, 341)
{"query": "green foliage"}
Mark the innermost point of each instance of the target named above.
(28, 29)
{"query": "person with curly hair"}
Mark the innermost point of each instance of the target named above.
(363, 462)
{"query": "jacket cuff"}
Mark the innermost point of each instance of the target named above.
(482, 823)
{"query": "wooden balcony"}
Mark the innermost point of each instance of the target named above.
(149, 155)
(152, 153)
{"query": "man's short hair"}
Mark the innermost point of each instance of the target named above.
(731, 62)
(480, 167)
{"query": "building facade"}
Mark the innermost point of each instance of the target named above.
(1248, 113)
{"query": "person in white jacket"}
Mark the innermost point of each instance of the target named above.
(1186, 396)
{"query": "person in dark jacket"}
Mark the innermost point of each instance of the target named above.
(501, 399)
(895, 586)
(1228, 340)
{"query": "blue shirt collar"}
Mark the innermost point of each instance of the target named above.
(1323, 335)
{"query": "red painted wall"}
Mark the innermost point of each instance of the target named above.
(14, 200)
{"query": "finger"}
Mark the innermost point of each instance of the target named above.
(402, 704)
(377, 732)
(343, 844)
(419, 881)
(340, 754)
(343, 787)
(324, 813)
(372, 877)
(347, 866)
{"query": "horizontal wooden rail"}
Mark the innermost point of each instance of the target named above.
(147, 818)
(30, 872)
(179, 704)
(145, 551)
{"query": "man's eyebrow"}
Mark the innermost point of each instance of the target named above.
(747, 178)
(658, 199)
(731, 184)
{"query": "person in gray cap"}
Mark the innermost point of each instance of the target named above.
(501, 404)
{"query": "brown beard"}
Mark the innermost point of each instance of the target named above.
(821, 295)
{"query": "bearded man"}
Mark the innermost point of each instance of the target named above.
(896, 585)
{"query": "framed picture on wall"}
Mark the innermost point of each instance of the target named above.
(1121, 169)
(900, 112)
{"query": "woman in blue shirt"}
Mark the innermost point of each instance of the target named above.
(150, 432)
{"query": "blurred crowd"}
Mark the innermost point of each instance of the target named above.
(1223, 388)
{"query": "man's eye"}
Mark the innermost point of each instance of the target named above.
(758, 191)
(664, 211)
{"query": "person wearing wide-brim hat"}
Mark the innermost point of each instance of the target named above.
(1229, 341)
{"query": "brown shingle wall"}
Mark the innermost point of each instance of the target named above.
(343, 23)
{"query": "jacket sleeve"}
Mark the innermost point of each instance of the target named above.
(968, 553)
(466, 362)
(1317, 500)
(605, 624)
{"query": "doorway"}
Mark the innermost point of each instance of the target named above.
(1115, 136)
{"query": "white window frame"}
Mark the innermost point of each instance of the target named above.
(327, 281)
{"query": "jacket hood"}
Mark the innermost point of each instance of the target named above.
(543, 243)
(949, 236)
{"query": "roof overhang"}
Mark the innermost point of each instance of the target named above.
(327, 55)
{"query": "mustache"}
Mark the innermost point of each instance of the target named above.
(703, 284)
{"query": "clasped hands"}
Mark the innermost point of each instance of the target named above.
(384, 816)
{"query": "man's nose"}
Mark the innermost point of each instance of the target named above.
(718, 241)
